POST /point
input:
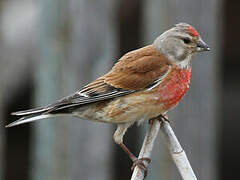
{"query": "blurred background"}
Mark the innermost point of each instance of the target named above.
(49, 49)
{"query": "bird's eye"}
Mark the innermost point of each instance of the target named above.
(186, 40)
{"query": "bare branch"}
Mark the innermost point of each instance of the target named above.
(177, 153)
(175, 149)
(146, 150)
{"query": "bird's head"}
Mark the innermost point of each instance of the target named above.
(180, 43)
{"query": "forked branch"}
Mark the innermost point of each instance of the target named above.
(176, 151)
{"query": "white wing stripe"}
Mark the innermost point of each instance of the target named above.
(159, 80)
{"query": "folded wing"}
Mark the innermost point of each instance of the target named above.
(136, 71)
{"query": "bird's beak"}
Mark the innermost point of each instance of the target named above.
(202, 46)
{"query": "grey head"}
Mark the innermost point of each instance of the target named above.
(180, 43)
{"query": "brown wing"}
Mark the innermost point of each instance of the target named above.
(138, 69)
(135, 71)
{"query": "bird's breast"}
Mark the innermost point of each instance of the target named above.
(174, 87)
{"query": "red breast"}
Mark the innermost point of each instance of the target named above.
(174, 87)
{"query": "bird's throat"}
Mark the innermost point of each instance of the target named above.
(186, 63)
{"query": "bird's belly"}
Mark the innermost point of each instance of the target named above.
(130, 108)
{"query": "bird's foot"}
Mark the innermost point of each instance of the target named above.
(161, 118)
(139, 162)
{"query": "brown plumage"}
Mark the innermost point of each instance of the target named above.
(138, 69)
(134, 71)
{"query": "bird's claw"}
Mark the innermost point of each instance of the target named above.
(161, 118)
(141, 165)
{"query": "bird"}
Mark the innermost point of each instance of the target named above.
(143, 84)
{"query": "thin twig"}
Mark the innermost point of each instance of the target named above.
(177, 153)
(175, 149)
(146, 150)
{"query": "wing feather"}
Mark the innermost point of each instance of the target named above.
(135, 71)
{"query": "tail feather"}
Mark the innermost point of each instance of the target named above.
(30, 118)
(35, 114)
(31, 111)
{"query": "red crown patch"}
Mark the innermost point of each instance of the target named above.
(193, 31)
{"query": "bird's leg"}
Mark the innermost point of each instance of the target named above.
(118, 136)
(136, 161)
